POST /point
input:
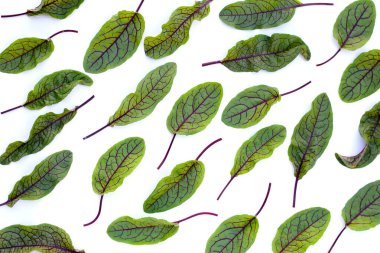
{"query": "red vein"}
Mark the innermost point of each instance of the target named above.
(209, 146)
(98, 214)
(194, 215)
(167, 152)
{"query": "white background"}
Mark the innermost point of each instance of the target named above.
(73, 202)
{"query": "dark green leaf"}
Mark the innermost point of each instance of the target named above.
(234, 235)
(195, 109)
(250, 106)
(59, 9)
(361, 78)
(369, 129)
(44, 238)
(43, 179)
(176, 188)
(115, 43)
(301, 231)
(175, 32)
(141, 231)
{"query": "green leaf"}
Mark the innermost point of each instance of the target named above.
(115, 43)
(361, 78)
(195, 109)
(250, 106)
(149, 92)
(301, 231)
(369, 129)
(59, 9)
(24, 54)
(116, 164)
(250, 15)
(175, 32)
(141, 231)
(234, 235)
(354, 25)
(43, 179)
(362, 211)
(311, 136)
(176, 188)
(260, 146)
(44, 238)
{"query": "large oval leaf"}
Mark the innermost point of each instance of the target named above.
(59, 9)
(175, 32)
(176, 188)
(361, 78)
(301, 231)
(195, 109)
(234, 235)
(43, 179)
(24, 54)
(250, 106)
(141, 231)
(369, 129)
(115, 43)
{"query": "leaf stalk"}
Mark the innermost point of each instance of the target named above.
(167, 152)
(15, 15)
(139, 7)
(209, 146)
(98, 214)
(194, 215)
(63, 31)
(265, 200)
(299, 88)
(211, 63)
(12, 109)
(226, 186)
(337, 238)
(332, 57)
(84, 103)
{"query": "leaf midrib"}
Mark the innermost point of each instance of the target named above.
(255, 55)
(262, 12)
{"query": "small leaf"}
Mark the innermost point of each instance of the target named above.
(176, 188)
(361, 78)
(141, 231)
(300, 231)
(59, 9)
(264, 53)
(234, 235)
(369, 129)
(250, 106)
(43, 131)
(175, 32)
(311, 137)
(115, 43)
(195, 109)
(43, 179)
(43, 238)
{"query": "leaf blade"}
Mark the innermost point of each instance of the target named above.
(59, 9)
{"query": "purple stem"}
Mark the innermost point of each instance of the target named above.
(97, 131)
(225, 187)
(84, 103)
(265, 200)
(211, 63)
(194, 215)
(332, 57)
(299, 88)
(14, 15)
(12, 109)
(337, 238)
(295, 191)
(209, 146)
(97, 216)
(63, 31)
(167, 152)
(138, 8)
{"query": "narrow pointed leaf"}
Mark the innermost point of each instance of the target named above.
(176, 188)
(311, 136)
(195, 109)
(301, 231)
(43, 179)
(24, 54)
(361, 78)
(362, 211)
(44, 238)
(175, 32)
(369, 129)
(258, 147)
(149, 92)
(141, 231)
(116, 164)
(115, 43)
(59, 9)
(234, 235)
(265, 53)
(250, 106)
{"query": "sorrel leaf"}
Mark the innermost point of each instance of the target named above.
(361, 212)
(310, 138)
(354, 26)
(141, 231)
(264, 53)
(43, 179)
(175, 32)
(251, 15)
(361, 78)
(149, 92)
(24, 54)
(251, 105)
(369, 129)
(42, 238)
(115, 43)
(43, 131)
(301, 230)
(260, 146)
(115, 165)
